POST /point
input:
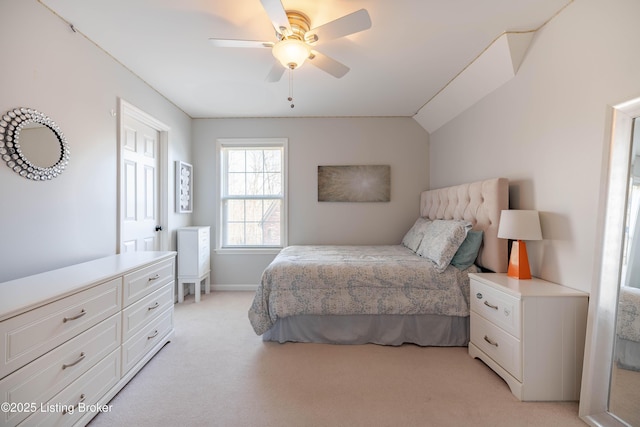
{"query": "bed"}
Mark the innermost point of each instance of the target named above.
(415, 292)
(628, 329)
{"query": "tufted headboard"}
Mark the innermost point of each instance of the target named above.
(480, 203)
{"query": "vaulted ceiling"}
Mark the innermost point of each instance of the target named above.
(413, 49)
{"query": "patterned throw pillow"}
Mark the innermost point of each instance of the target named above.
(441, 241)
(415, 234)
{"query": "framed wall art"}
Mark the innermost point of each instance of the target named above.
(184, 187)
(367, 183)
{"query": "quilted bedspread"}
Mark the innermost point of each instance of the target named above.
(629, 314)
(336, 280)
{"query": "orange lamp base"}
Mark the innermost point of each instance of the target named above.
(519, 261)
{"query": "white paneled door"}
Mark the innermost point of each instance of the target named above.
(140, 191)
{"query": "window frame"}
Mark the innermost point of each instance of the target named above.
(221, 174)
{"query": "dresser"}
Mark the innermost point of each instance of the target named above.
(71, 338)
(531, 333)
(194, 259)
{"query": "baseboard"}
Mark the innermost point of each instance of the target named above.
(251, 288)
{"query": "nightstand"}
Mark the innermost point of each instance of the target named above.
(531, 333)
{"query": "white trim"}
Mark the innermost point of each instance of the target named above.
(243, 288)
(252, 142)
(127, 109)
(247, 251)
(601, 321)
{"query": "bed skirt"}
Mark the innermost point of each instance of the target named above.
(423, 330)
(628, 354)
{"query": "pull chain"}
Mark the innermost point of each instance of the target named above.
(290, 98)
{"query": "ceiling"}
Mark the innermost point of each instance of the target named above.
(413, 49)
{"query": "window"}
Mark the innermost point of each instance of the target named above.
(252, 193)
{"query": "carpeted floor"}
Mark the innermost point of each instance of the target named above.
(217, 372)
(625, 395)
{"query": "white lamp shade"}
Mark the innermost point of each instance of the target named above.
(519, 225)
(291, 53)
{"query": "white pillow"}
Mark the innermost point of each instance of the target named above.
(414, 236)
(441, 241)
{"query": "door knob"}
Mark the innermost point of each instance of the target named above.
(158, 228)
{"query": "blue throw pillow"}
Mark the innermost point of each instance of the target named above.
(468, 250)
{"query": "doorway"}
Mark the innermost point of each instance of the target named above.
(142, 181)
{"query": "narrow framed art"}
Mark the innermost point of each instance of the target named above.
(184, 187)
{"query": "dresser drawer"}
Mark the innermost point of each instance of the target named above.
(139, 345)
(204, 263)
(26, 337)
(146, 280)
(204, 266)
(497, 307)
(68, 406)
(203, 237)
(502, 347)
(137, 315)
(42, 379)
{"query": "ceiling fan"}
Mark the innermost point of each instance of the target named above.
(296, 39)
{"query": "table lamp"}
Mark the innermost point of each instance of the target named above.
(519, 225)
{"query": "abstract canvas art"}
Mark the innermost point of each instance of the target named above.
(366, 183)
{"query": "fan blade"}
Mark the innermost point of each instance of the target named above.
(328, 65)
(240, 43)
(278, 16)
(348, 24)
(277, 70)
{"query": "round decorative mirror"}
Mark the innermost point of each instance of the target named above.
(32, 144)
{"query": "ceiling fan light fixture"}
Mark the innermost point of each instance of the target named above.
(291, 53)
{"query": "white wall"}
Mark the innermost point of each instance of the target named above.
(48, 67)
(547, 131)
(398, 142)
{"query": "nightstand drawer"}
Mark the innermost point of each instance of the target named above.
(503, 348)
(497, 307)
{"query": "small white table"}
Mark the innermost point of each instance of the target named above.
(197, 284)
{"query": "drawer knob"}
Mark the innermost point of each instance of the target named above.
(78, 360)
(153, 335)
(495, 307)
(493, 343)
(77, 316)
(479, 295)
(153, 307)
(156, 277)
